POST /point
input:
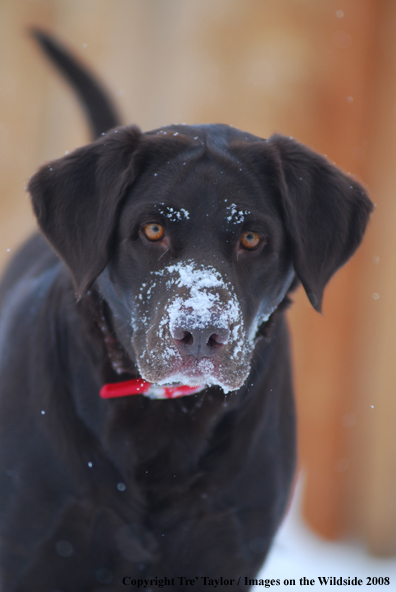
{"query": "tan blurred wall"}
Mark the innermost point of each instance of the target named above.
(321, 71)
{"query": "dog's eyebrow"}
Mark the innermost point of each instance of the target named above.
(173, 214)
(142, 212)
(236, 215)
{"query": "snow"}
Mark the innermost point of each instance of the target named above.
(234, 215)
(297, 552)
(202, 302)
(173, 214)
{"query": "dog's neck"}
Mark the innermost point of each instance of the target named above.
(118, 361)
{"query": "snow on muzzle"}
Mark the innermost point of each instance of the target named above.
(198, 336)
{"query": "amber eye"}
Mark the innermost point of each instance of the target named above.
(154, 232)
(250, 240)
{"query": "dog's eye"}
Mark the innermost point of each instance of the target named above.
(250, 240)
(154, 232)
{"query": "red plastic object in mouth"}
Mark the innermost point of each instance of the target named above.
(138, 386)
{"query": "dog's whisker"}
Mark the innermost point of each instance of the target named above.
(164, 253)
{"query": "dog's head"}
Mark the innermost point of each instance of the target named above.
(193, 235)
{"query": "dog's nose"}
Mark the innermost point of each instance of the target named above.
(200, 343)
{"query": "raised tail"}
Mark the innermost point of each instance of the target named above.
(102, 114)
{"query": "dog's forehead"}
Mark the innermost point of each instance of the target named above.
(199, 171)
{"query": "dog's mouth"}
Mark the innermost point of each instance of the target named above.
(188, 371)
(193, 372)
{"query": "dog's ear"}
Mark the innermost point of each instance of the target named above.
(325, 213)
(76, 199)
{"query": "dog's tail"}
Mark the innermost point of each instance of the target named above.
(101, 112)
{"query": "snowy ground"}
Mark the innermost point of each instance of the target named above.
(298, 553)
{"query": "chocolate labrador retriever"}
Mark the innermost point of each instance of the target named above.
(147, 418)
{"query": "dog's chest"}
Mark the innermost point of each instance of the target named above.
(163, 446)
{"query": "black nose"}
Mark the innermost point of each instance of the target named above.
(200, 343)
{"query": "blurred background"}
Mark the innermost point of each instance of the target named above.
(323, 72)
